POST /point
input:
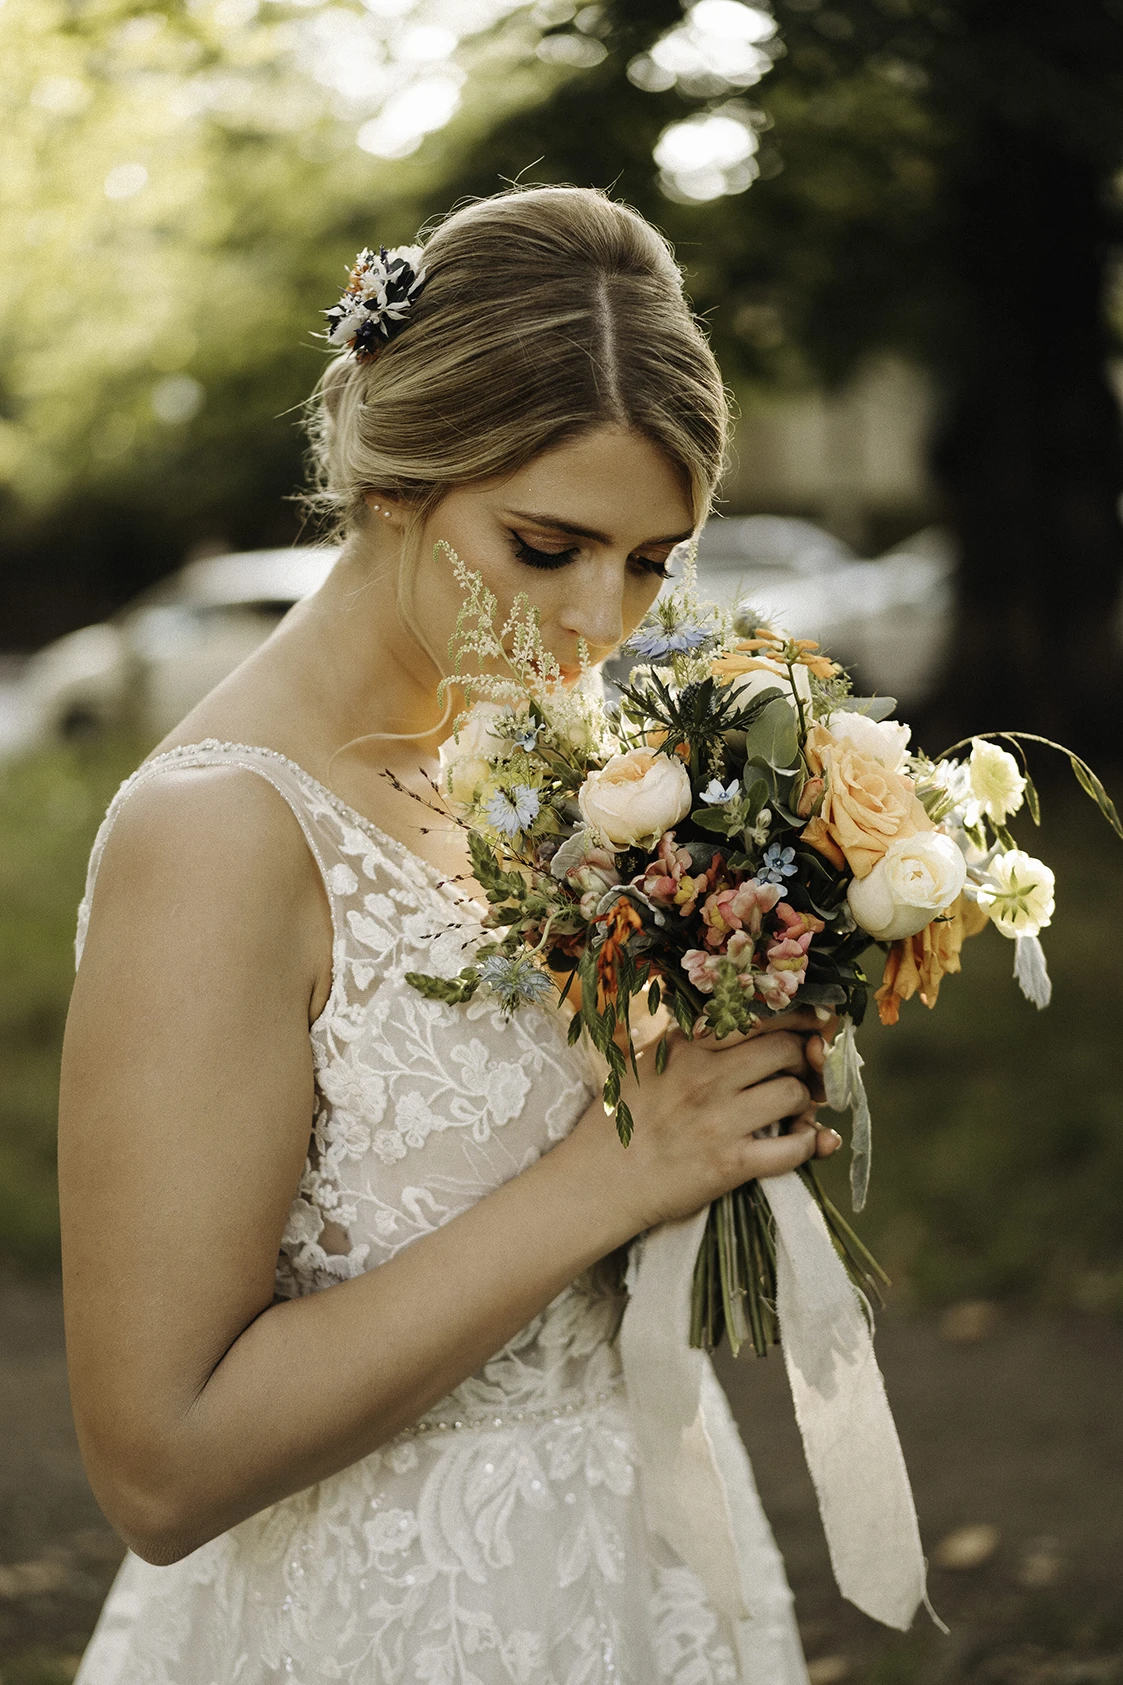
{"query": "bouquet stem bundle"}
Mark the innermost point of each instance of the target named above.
(734, 1287)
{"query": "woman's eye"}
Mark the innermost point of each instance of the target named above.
(535, 558)
(541, 558)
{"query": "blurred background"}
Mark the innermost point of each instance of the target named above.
(902, 221)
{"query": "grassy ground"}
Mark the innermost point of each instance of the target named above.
(998, 1139)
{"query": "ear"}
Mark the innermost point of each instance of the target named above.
(382, 507)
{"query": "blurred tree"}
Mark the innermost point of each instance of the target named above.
(180, 189)
(930, 175)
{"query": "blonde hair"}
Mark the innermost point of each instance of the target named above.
(546, 312)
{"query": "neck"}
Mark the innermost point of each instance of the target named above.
(367, 669)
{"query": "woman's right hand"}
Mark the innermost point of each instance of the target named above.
(697, 1123)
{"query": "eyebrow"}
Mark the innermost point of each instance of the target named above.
(575, 531)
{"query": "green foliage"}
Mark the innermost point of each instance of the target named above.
(452, 990)
(50, 807)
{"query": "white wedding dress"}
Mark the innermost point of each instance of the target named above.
(502, 1539)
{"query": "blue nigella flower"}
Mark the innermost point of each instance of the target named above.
(658, 641)
(716, 792)
(778, 864)
(516, 981)
(512, 811)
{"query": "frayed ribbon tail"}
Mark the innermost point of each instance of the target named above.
(849, 1437)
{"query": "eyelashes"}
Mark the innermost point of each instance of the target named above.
(547, 560)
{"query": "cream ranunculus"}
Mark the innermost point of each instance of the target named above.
(879, 740)
(464, 757)
(915, 879)
(1019, 898)
(635, 798)
(996, 783)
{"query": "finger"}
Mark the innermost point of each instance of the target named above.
(800, 1018)
(767, 1056)
(777, 1100)
(777, 1155)
(827, 1141)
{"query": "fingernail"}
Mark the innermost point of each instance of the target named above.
(837, 1137)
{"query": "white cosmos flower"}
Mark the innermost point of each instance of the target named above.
(1019, 897)
(996, 783)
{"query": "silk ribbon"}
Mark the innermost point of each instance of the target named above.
(698, 1490)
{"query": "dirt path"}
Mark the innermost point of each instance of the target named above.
(1013, 1431)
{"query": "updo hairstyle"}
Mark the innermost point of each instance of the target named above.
(546, 312)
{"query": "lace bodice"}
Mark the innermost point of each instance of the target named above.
(433, 1558)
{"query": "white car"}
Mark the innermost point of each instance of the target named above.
(154, 660)
(889, 619)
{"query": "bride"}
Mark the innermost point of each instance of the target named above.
(340, 1303)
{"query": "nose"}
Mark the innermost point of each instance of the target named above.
(595, 612)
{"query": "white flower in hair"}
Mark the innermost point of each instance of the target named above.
(376, 301)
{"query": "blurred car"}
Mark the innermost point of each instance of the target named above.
(889, 618)
(156, 658)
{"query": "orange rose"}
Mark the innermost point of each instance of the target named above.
(919, 963)
(865, 808)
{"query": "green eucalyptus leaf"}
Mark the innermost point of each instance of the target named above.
(773, 736)
(719, 820)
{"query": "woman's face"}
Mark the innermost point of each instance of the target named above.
(585, 531)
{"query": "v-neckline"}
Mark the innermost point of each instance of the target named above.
(438, 879)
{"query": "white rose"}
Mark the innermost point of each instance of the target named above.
(636, 798)
(772, 675)
(465, 755)
(879, 740)
(915, 879)
(997, 784)
(1019, 898)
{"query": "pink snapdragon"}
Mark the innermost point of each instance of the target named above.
(701, 968)
(742, 908)
(670, 881)
(787, 958)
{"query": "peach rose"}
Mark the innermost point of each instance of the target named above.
(866, 807)
(637, 797)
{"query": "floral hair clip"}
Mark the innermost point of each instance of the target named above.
(376, 301)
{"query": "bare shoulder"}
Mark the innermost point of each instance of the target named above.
(221, 829)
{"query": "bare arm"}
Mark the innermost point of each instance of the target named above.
(184, 1122)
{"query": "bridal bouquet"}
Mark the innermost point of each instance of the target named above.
(728, 839)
